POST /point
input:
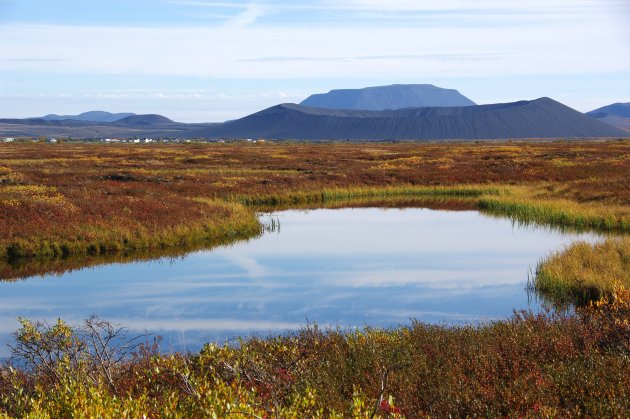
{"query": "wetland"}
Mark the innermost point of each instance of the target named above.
(345, 279)
(346, 268)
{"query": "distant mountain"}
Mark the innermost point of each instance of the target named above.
(91, 116)
(617, 115)
(144, 120)
(617, 109)
(397, 96)
(541, 118)
(130, 126)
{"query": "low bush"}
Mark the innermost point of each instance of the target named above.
(533, 365)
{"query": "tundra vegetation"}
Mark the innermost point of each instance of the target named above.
(67, 205)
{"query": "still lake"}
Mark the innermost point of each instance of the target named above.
(341, 267)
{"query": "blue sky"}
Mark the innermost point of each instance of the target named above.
(198, 60)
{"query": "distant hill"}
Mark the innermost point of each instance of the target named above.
(91, 116)
(541, 118)
(617, 109)
(130, 126)
(144, 120)
(397, 96)
(617, 115)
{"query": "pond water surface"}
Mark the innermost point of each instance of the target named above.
(347, 268)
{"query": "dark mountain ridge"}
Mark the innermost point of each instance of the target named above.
(540, 118)
(397, 96)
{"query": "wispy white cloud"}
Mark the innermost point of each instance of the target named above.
(201, 3)
(179, 105)
(444, 7)
(227, 52)
(32, 60)
(248, 15)
(424, 57)
(467, 6)
(150, 94)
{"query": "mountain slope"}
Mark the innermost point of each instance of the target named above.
(617, 109)
(91, 116)
(397, 96)
(617, 115)
(541, 118)
(144, 120)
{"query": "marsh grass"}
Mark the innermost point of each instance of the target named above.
(219, 222)
(558, 212)
(357, 194)
(585, 272)
(400, 202)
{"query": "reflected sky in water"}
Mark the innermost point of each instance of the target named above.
(347, 268)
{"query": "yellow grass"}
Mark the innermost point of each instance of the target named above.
(584, 272)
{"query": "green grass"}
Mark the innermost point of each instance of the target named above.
(565, 214)
(350, 194)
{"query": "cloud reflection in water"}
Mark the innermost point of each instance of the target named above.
(350, 267)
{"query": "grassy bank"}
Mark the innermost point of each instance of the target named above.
(214, 222)
(584, 272)
(527, 205)
(339, 196)
(528, 366)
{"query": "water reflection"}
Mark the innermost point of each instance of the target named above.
(348, 267)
